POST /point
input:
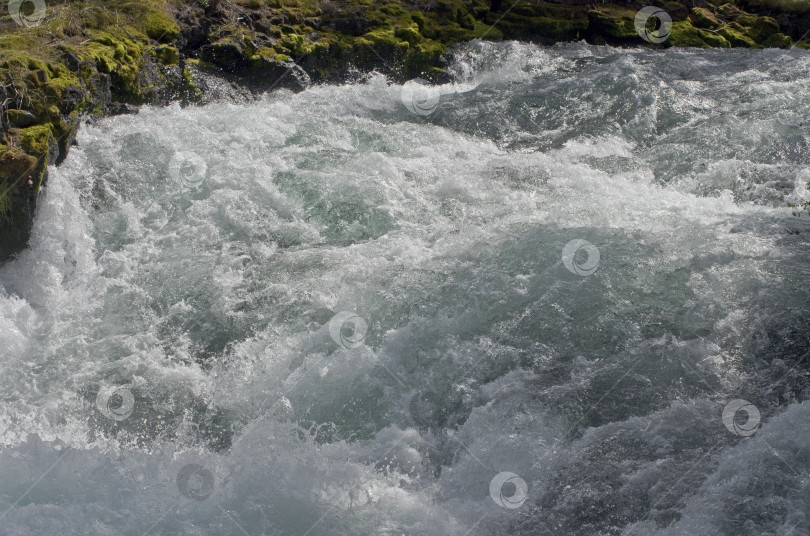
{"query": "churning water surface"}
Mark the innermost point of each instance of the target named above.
(564, 295)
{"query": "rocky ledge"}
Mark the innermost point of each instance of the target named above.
(61, 60)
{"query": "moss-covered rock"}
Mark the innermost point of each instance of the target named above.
(37, 140)
(158, 24)
(544, 22)
(735, 34)
(167, 55)
(613, 22)
(758, 28)
(700, 17)
(15, 165)
(713, 39)
(685, 35)
(777, 40)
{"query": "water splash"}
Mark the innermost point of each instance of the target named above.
(564, 272)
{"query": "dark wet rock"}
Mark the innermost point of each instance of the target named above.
(71, 60)
(101, 87)
(227, 54)
(121, 108)
(270, 74)
(216, 87)
(72, 97)
(20, 118)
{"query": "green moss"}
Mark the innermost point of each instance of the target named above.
(713, 39)
(118, 56)
(297, 45)
(777, 40)
(730, 11)
(410, 34)
(703, 18)
(421, 59)
(102, 54)
(190, 92)
(53, 113)
(17, 49)
(685, 35)
(266, 52)
(450, 23)
(613, 21)
(158, 25)
(758, 28)
(37, 139)
(735, 35)
(167, 55)
(14, 164)
(386, 38)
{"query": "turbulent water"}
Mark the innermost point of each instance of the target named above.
(564, 295)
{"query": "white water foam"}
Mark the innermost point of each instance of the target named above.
(205, 292)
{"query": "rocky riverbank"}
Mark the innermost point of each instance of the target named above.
(63, 60)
